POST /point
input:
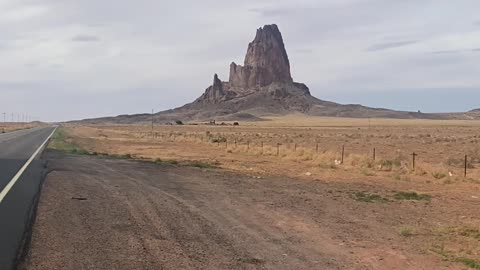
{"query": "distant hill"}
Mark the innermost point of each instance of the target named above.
(262, 87)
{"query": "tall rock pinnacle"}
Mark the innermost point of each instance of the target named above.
(215, 92)
(266, 61)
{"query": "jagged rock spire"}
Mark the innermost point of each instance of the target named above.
(266, 61)
(215, 92)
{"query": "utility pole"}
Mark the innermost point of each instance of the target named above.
(152, 122)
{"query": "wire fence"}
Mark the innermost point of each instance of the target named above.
(283, 145)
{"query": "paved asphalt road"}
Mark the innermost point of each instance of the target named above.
(17, 207)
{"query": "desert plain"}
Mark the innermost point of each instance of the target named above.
(273, 194)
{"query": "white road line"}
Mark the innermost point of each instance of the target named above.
(17, 176)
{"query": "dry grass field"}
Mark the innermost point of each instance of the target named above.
(372, 149)
(310, 149)
(8, 127)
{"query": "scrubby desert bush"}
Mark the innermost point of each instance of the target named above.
(361, 161)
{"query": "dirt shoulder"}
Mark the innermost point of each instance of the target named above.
(117, 214)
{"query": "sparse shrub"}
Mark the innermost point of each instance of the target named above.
(411, 196)
(199, 164)
(166, 162)
(420, 171)
(178, 122)
(448, 181)
(219, 140)
(78, 151)
(470, 262)
(125, 156)
(366, 197)
(406, 232)
(385, 165)
(367, 172)
(361, 161)
(326, 160)
(438, 175)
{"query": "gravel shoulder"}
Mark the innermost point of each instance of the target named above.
(118, 214)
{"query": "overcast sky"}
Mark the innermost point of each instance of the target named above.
(73, 59)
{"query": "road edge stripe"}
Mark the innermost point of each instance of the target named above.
(17, 176)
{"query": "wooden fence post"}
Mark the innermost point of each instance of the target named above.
(413, 160)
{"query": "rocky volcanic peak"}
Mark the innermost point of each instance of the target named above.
(266, 61)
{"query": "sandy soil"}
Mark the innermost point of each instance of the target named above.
(118, 214)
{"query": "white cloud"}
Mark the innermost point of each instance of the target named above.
(21, 13)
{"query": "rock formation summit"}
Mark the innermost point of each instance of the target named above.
(264, 75)
(266, 61)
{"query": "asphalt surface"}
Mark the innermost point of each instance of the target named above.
(17, 208)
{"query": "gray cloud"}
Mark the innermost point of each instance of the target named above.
(273, 12)
(390, 45)
(450, 51)
(456, 51)
(85, 38)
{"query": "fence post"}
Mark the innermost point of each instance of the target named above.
(235, 143)
(295, 147)
(248, 145)
(262, 147)
(316, 149)
(374, 153)
(413, 160)
(278, 149)
(343, 153)
(466, 161)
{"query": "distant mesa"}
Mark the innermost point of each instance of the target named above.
(264, 87)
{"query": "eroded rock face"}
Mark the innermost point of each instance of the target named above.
(266, 64)
(266, 61)
(214, 93)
